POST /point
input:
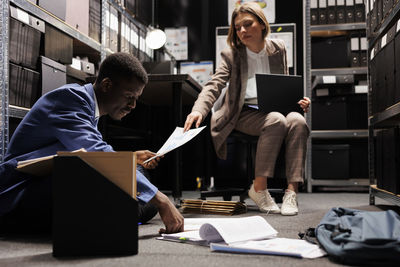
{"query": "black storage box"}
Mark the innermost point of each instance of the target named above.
(330, 161)
(25, 39)
(330, 52)
(57, 45)
(340, 113)
(23, 86)
(53, 75)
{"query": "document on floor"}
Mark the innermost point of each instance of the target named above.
(250, 235)
(177, 139)
(204, 231)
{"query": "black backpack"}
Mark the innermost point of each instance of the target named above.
(360, 237)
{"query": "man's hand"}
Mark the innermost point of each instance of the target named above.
(195, 116)
(170, 216)
(143, 155)
(304, 104)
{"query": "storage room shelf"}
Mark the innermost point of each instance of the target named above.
(329, 134)
(338, 27)
(383, 194)
(338, 71)
(17, 112)
(340, 182)
(56, 22)
(385, 25)
(388, 117)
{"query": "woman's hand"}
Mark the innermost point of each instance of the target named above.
(304, 104)
(143, 155)
(195, 116)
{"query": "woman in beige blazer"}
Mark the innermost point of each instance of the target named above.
(249, 52)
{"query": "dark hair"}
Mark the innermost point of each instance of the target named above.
(124, 66)
(253, 9)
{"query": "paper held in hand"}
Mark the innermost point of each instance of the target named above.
(177, 138)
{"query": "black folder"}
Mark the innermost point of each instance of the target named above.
(322, 11)
(331, 13)
(314, 12)
(91, 215)
(349, 10)
(359, 11)
(340, 12)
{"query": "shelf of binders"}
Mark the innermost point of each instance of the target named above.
(346, 134)
(385, 25)
(338, 27)
(56, 22)
(339, 71)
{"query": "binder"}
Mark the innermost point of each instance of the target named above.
(331, 12)
(340, 12)
(95, 19)
(363, 51)
(314, 12)
(92, 216)
(322, 11)
(23, 86)
(354, 48)
(359, 11)
(349, 9)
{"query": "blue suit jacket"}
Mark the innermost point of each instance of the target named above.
(61, 120)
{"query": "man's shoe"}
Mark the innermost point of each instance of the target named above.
(289, 204)
(263, 200)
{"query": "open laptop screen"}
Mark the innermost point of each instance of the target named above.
(276, 92)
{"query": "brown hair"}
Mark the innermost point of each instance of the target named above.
(253, 9)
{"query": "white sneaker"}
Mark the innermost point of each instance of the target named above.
(263, 200)
(289, 205)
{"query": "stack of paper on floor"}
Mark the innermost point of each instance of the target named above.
(213, 207)
(242, 235)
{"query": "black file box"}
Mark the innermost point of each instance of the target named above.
(349, 10)
(388, 71)
(314, 12)
(330, 52)
(25, 39)
(53, 75)
(340, 113)
(91, 215)
(57, 45)
(130, 5)
(23, 86)
(322, 12)
(331, 12)
(340, 12)
(58, 7)
(330, 161)
(95, 20)
(359, 11)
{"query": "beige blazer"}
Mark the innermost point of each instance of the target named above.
(233, 69)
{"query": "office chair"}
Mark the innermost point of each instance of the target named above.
(250, 143)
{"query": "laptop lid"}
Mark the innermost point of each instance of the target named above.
(277, 92)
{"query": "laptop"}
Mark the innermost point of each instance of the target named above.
(277, 92)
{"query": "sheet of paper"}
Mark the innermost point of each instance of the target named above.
(237, 230)
(177, 138)
(274, 246)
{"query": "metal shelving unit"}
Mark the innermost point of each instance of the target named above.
(338, 27)
(91, 45)
(310, 31)
(388, 118)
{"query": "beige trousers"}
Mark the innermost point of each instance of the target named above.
(273, 129)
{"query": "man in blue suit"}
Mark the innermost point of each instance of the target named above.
(65, 119)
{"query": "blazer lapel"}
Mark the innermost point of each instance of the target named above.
(274, 57)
